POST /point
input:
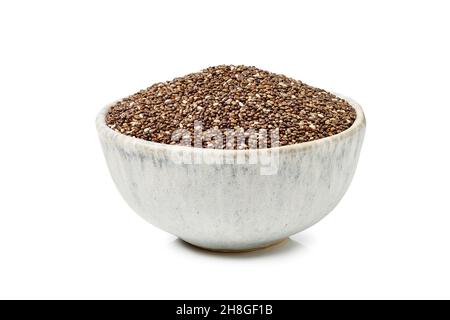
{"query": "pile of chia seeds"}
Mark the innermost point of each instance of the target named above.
(232, 97)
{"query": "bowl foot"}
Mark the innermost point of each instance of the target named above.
(265, 246)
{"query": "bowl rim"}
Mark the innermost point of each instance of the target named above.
(124, 139)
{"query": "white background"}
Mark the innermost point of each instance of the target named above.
(65, 232)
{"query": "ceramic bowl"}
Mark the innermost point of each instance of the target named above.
(232, 205)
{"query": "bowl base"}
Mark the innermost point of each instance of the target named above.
(265, 246)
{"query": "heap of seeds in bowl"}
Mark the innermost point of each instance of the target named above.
(231, 97)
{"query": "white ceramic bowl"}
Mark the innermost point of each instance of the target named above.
(233, 207)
